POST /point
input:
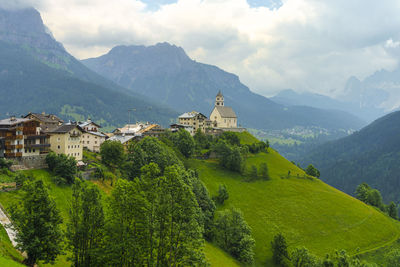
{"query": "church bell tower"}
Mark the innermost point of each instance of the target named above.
(219, 99)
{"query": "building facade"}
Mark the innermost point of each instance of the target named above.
(192, 121)
(91, 138)
(48, 122)
(66, 139)
(22, 137)
(222, 116)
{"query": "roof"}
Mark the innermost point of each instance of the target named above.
(131, 128)
(226, 112)
(88, 122)
(13, 121)
(188, 115)
(66, 128)
(96, 133)
(46, 118)
(121, 138)
(219, 93)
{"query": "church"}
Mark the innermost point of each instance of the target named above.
(223, 116)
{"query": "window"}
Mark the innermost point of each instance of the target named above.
(26, 150)
(58, 139)
(87, 142)
(33, 150)
(58, 147)
(68, 147)
(95, 142)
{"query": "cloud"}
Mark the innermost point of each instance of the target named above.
(304, 44)
(392, 44)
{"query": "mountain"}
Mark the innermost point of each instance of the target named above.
(37, 74)
(368, 112)
(164, 72)
(371, 155)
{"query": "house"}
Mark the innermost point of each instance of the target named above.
(91, 138)
(140, 129)
(48, 122)
(195, 120)
(66, 139)
(22, 137)
(125, 140)
(221, 115)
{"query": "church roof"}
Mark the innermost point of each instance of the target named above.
(219, 93)
(226, 112)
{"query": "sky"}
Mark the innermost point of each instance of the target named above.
(305, 45)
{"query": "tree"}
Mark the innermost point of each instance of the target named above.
(85, 226)
(374, 198)
(62, 166)
(253, 172)
(5, 163)
(392, 258)
(279, 249)
(301, 257)
(185, 143)
(233, 234)
(37, 223)
(154, 221)
(264, 172)
(149, 150)
(202, 140)
(311, 170)
(112, 153)
(362, 192)
(393, 211)
(222, 194)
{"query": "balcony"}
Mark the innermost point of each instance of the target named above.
(13, 155)
(36, 145)
(74, 134)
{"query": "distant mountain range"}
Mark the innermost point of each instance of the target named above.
(165, 73)
(371, 155)
(37, 74)
(351, 103)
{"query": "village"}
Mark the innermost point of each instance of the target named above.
(28, 139)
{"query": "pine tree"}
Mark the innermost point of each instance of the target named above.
(85, 228)
(37, 222)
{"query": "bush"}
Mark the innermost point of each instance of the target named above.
(279, 249)
(253, 172)
(62, 166)
(233, 234)
(311, 170)
(5, 163)
(222, 194)
(264, 172)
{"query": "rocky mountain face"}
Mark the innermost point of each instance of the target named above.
(37, 74)
(164, 72)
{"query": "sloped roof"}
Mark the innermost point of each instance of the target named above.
(192, 114)
(219, 93)
(13, 121)
(226, 112)
(86, 123)
(66, 128)
(122, 138)
(46, 118)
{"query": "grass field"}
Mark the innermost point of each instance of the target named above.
(307, 211)
(9, 256)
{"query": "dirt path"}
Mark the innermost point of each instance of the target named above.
(5, 221)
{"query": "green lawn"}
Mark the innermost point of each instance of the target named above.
(307, 211)
(217, 257)
(9, 256)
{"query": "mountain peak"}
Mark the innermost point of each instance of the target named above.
(25, 27)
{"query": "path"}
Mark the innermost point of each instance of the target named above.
(5, 221)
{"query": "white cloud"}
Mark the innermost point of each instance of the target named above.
(305, 44)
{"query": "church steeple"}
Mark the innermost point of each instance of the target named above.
(219, 99)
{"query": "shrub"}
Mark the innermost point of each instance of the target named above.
(222, 194)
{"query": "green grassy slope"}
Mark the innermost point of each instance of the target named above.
(308, 212)
(9, 256)
(217, 257)
(61, 195)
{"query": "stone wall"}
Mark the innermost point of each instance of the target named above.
(29, 162)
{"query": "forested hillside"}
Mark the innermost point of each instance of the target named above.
(371, 155)
(27, 85)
